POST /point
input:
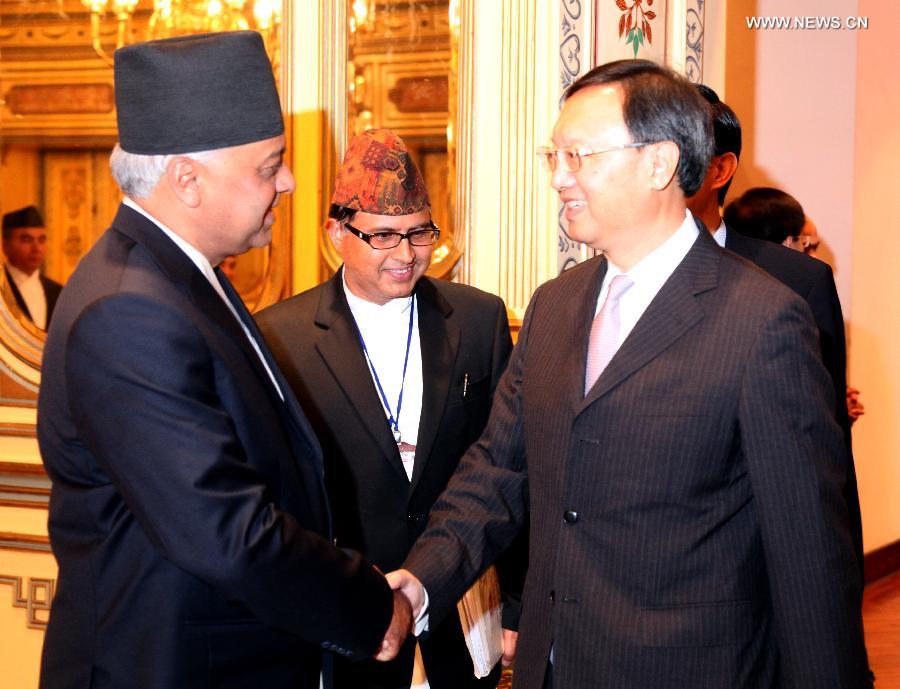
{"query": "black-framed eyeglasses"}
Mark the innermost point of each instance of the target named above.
(388, 239)
(571, 156)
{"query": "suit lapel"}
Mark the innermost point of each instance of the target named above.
(342, 353)
(209, 301)
(673, 311)
(312, 482)
(440, 344)
(20, 300)
(185, 274)
(290, 402)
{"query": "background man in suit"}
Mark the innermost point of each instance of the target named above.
(766, 213)
(25, 246)
(810, 278)
(397, 372)
(664, 420)
(188, 513)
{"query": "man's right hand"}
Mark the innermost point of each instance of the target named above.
(405, 582)
(399, 629)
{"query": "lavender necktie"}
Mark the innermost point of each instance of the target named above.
(604, 340)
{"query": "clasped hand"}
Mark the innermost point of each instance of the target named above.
(409, 596)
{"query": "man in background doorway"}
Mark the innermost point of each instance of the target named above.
(25, 246)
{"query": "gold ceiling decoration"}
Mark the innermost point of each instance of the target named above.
(181, 17)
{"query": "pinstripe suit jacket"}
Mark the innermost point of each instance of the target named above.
(687, 525)
(812, 279)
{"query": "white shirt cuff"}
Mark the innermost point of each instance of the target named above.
(422, 617)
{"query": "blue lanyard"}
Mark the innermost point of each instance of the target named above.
(394, 422)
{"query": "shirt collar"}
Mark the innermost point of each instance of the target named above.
(190, 250)
(659, 264)
(359, 305)
(721, 234)
(21, 277)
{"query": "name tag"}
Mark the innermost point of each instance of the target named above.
(408, 457)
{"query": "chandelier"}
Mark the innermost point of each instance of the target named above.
(180, 17)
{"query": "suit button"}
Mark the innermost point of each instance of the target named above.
(552, 597)
(570, 516)
(413, 519)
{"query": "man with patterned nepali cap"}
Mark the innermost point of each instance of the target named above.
(396, 371)
(188, 512)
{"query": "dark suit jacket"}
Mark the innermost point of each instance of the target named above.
(51, 294)
(812, 279)
(377, 510)
(188, 513)
(687, 524)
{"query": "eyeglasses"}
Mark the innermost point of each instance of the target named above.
(388, 239)
(571, 157)
(801, 242)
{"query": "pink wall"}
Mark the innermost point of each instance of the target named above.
(820, 111)
(874, 330)
(794, 91)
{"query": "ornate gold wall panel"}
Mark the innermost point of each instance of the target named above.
(391, 67)
(80, 199)
(52, 84)
(406, 92)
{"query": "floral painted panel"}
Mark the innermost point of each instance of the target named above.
(630, 29)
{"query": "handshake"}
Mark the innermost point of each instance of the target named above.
(409, 598)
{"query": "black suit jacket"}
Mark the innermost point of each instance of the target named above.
(51, 294)
(188, 513)
(687, 523)
(812, 279)
(464, 333)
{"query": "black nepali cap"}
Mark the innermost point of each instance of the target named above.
(23, 217)
(195, 93)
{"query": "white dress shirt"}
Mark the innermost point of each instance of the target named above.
(32, 292)
(721, 234)
(204, 266)
(649, 275)
(385, 329)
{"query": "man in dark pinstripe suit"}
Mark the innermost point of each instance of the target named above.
(687, 524)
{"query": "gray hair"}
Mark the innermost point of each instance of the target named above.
(137, 174)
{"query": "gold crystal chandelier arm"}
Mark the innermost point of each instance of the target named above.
(178, 17)
(122, 9)
(95, 37)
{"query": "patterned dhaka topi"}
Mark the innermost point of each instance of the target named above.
(378, 176)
